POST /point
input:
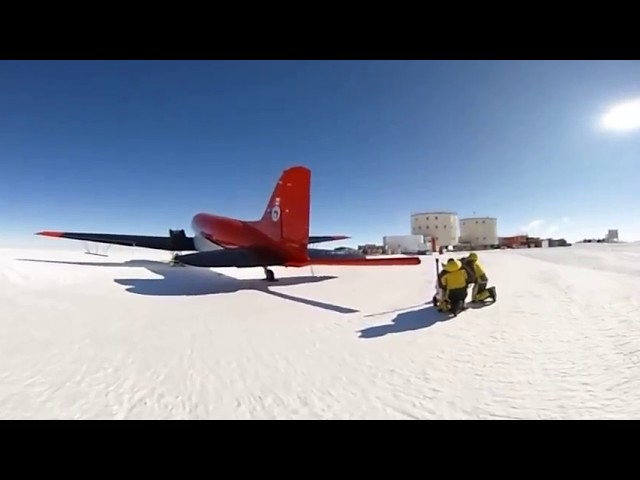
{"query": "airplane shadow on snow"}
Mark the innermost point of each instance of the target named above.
(195, 281)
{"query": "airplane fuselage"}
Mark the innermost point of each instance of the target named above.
(214, 232)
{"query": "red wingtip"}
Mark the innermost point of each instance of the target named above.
(49, 233)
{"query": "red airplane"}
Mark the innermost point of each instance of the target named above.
(279, 238)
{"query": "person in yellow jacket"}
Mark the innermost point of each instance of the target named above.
(480, 291)
(454, 282)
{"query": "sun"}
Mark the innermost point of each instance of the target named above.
(623, 117)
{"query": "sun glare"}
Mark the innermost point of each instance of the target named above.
(623, 117)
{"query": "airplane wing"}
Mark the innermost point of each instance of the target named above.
(176, 242)
(329, 257)
(326, 238)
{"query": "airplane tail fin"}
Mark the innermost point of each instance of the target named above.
(286, 217)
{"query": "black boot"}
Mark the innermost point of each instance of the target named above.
(493, 294)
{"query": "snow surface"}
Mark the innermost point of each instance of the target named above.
(128, 337)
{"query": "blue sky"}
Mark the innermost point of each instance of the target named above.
(139, 147)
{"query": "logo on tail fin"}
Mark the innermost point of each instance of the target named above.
(275, 213)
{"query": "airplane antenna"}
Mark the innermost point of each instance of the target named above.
(313, 274)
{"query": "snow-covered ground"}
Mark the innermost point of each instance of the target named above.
(129, 337)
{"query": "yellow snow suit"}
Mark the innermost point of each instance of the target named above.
(480, 292)
(456, 277)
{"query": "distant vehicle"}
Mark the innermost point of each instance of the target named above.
(279, 238)
(345, 250)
